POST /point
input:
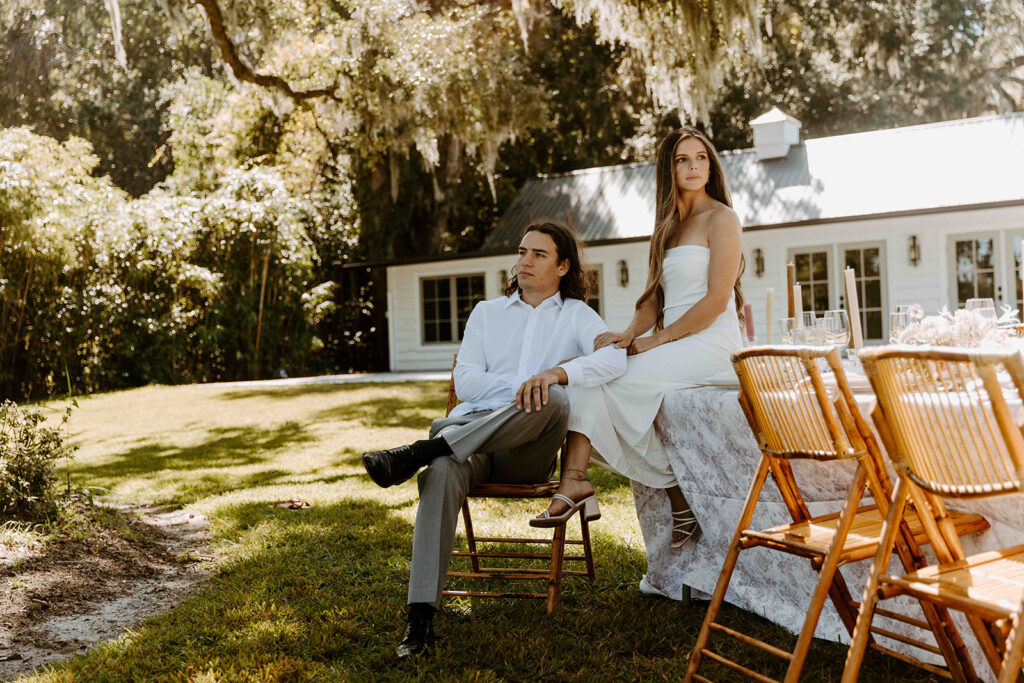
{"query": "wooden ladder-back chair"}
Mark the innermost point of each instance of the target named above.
(950, 432)
(789, 409)
(551, 573)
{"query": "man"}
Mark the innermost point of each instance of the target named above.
(514, 414)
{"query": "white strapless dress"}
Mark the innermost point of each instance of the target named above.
(618, 417)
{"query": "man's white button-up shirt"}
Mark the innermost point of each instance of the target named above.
(507, 341)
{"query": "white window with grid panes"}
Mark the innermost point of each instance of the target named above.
(868, 262)
(812, 274)
(446, 305)
(973, 262)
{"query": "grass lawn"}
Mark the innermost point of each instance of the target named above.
(320, 593)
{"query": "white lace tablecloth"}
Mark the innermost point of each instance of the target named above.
(714, 457)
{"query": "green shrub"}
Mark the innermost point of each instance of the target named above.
(99, 291)
(29, 451)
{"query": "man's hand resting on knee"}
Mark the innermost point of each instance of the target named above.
(533, 393)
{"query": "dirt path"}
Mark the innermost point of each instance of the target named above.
(80, 594)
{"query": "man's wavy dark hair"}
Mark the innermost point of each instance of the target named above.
(575, 284)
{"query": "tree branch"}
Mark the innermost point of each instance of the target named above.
(244, 72)
(1010, 65)
(1014, 106)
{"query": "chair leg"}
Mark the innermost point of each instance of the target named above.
(470, 538)
(862, 631)
(839, 592)
(727, 568)
(1010, 669)
(587, 552)
(827, 574)
(555, 578)
(930, 509)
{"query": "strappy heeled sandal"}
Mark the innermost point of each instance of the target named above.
(686, 524)
(546, 520)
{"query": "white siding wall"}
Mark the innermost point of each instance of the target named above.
(930, 283)
(405, 311)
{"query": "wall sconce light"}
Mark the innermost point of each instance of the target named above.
(758, 262)
(913, 250)
(623, 273)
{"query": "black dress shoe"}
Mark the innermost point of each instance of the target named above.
(392, 466)
(419, 635)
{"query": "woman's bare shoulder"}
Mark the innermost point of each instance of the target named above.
(722, 219)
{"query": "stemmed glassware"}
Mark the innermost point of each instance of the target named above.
(837, 329)
(981, 306)
(898, 321)
(832, 328)
(786, 327)
(904, 316)
(986, 310)
(810, 333)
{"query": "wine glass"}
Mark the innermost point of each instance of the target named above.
(974, 305)
(984, 311)
(898, 322)
(837, 329)
(786, 327)
(811, 329)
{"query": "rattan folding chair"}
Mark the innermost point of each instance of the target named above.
(785, 399)
(950, 433)
(481, 548)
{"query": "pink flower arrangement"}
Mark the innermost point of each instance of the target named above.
(962, 328)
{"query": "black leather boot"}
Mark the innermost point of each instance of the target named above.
(419, 631)
(395, 465)
(392, 466)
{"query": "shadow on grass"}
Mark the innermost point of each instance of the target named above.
(320, 594)
(411, 413)
(226, 447)
(428, 388)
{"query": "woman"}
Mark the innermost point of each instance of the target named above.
(692, 301)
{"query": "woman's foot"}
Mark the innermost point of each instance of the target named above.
(574, 489)
(575, 486)
(684, 527)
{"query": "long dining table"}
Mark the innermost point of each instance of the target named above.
(714, 456)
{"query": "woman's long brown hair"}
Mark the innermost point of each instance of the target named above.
(667, 219)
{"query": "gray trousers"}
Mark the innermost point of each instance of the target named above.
(506, 445)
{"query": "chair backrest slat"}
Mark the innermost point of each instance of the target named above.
(953, 429)
(789, 402)
(453, 399)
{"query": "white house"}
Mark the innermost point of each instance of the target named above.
(930, 214)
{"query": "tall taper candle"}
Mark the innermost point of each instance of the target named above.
(748, 319)
(769, 316)
(798, 305)
(853, 307)
(790, 283)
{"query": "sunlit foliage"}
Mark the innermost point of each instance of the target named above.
(100, 291)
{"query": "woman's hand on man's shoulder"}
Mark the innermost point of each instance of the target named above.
(621, 340)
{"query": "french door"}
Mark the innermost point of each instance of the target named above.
(974, 267)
